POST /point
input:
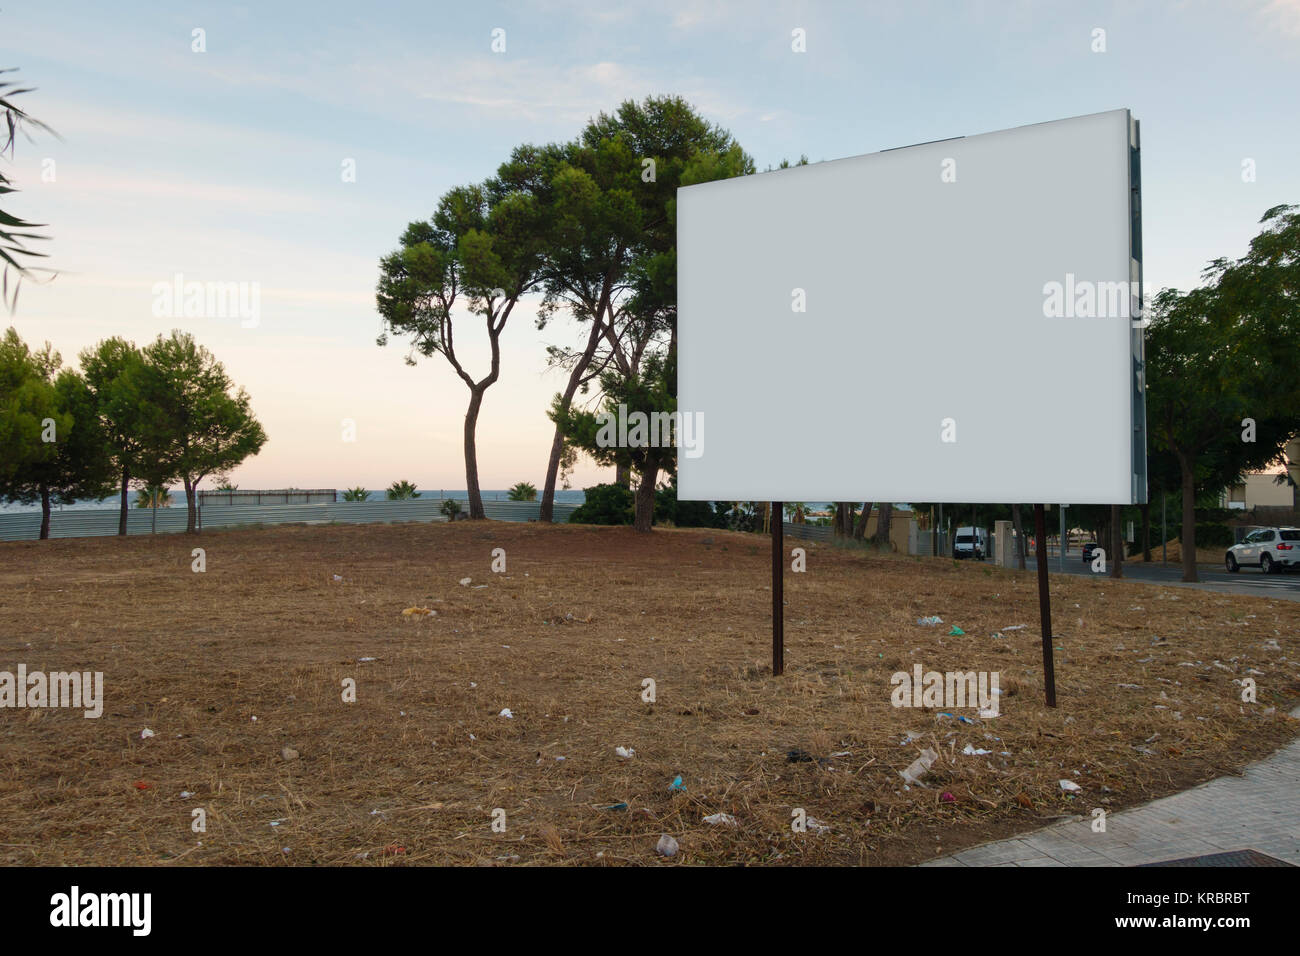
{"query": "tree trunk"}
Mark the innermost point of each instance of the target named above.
(1117, 542)
(476, 512)
(645, 500)
(191, 506)
(623, 475)
(121, 517)
(1020, 536)
(547, 510)
(860, 530)
(883, 521)
(45, 512)
(1187, 536)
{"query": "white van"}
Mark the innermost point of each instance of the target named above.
(971, 542)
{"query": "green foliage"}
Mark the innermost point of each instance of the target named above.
(27, 400)
(523, 491)
(1227, 351)
(356, 494)
(604, 504)
(401, 491)
(192, 426)
(223, 483)
(451, 508)
(51, 446)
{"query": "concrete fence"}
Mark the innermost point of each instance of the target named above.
(98, 522)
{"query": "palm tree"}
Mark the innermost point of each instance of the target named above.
(153, 496)
(12, 229)
(523, 491)
(401, 490)
(356, 494)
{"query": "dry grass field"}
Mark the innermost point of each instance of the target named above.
(231, 666)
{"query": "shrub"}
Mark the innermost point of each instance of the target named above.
(605, 504)
(1213, 535)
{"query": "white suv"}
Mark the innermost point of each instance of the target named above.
(1271, 548)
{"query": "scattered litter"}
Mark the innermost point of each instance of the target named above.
(816, 826)
(956, 631)
(1015, 627)
(975, 752)
(929, 621)
(1130, 686)
(147, 733)
(394, 849)
(947, 797)
(615, 806)
(960, 718)
(477, 587)
(842, 753)
(505, 712)
(419, 612)
(1069, 786)
(798, 756)
(720, 819)
(919, 767)
(338, 577)
(288, 753)
(143, 785)
(626, 753)
(464, 582)
(911, 736)
(185, 794)
(997, 634)
(366, 660)
(677, 783)
(666, 846)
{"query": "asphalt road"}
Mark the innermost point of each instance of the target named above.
(1249, 581)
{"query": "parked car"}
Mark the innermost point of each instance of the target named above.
(1271, 549)
(970, 542)
(1090, 551)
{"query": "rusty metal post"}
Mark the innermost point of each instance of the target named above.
(1044, 604)
(778, 589)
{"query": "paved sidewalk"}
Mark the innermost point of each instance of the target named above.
(1259, 810)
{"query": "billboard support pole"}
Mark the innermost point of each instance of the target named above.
(778, 589)
(1044, 604)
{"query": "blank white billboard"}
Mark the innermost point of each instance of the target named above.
(951, 321)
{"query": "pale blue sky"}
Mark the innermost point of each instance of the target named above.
(225, 165)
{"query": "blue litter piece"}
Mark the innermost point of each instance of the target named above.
(677, 783)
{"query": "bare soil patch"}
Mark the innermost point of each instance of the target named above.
(1147, 676)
